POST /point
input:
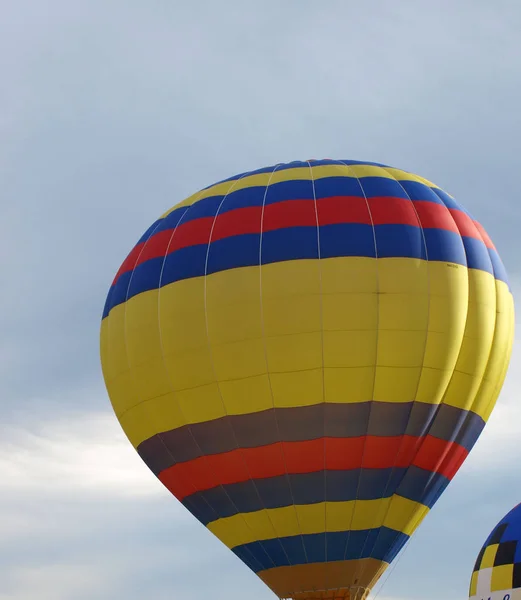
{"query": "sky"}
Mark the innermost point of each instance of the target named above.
(112, 111)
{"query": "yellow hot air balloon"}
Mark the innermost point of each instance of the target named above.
(304, 355)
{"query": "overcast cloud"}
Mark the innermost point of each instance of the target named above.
(111, 111)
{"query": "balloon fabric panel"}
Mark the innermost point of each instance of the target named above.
(304, 356)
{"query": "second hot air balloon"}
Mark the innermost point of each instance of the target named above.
(497, 572)
(304, 355)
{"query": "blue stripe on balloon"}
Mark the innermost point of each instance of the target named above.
(220, 502)
(380, 543)
(293, 243)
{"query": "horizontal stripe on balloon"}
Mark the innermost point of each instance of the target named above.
(355, 174)
(369, 452)
(350, 420)
(394, 512)
(299, 213)
(155, 247)
(257, 192)
(335, 241)
(249, 215)
(413, 483)
(381, 544)
(346, 190)
(299, 164)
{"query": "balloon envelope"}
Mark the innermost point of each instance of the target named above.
(497, 572)
(304, 355)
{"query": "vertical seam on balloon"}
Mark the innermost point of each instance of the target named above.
(376, 354)
(506, 351)
(483, 379)
(263, 329)
(469, 410)
(169, 378)
(189, 425)
(281, 442)
(368, 425)
(321, 290)
(385, 490)
(230, 423)
(430, 424)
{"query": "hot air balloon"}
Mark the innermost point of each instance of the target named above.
(497, 572)
(304, 355)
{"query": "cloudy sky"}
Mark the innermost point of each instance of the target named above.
(113, 110)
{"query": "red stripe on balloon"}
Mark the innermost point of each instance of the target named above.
(368, 452)
(304, 213)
